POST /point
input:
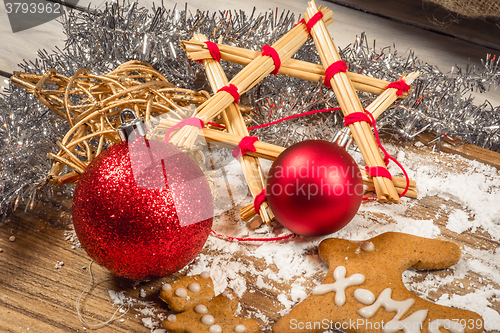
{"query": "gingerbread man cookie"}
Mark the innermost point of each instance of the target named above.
(363, 290)
(200, 311)
(188, 290)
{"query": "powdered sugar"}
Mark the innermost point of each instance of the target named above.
(289, 269)
(458, 221)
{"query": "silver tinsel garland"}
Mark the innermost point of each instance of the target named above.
(102, 40)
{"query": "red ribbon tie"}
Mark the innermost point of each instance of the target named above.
(335, 68)
(378, 171)
(246, 145)
(193, 121)
(259, 200)
(271, 52)
(233, 91)
(400, 85)
(214, 50)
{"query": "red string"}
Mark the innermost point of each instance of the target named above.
(389, 156)
(214, 50)
(246, 145)
(259, 200)
(216, 125)
(293, 116)
(272, 239)
(335, 68)
(233, 91)
(378, 171)
(193, 121)
(283, 119)
(362, 116)
(271, 52)
(400, 85)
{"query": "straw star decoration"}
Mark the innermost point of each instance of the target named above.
(94, 119)
(277, 59)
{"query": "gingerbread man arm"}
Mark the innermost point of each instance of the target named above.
(411, 251)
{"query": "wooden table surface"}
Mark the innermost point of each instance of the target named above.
(37, 296)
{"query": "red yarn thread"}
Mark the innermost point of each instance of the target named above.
(389, 156)
(293, 116)
(355, 117)
(193, 121)
(216, 125)
(271, 52)
(378, 171)
(301, 21)
(400, 85)
(246, 145)
(362, 116)
(214, 50)
(233, 91)
(335, 68)
(259, 200)
(316, 17)
(272, 239)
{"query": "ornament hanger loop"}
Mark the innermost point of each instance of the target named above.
(134, 126)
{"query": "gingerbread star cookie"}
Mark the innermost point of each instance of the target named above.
(363, 290)
(200, 311)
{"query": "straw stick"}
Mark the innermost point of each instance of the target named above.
(257, 69)
(292, 67)
(236, 125)
(389, 96)
(349, 103)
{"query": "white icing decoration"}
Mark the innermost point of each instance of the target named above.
(215, 329)
(194, 287)
(242, 329)
(364, 296)
(201, 309)
(367, 246)
(166, 287)
(180, 292)
(205, 275)
(411, 324)
(450, 325)
(384, 300)
(172, 317)
(341, 283)
(207, 319)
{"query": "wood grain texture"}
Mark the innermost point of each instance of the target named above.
(463, 149)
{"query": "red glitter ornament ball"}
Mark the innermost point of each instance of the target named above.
(314, 188)
(142, 209)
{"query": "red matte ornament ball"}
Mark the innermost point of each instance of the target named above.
(314, 188)
(142, 209)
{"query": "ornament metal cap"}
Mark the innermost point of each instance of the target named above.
(133, 127)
